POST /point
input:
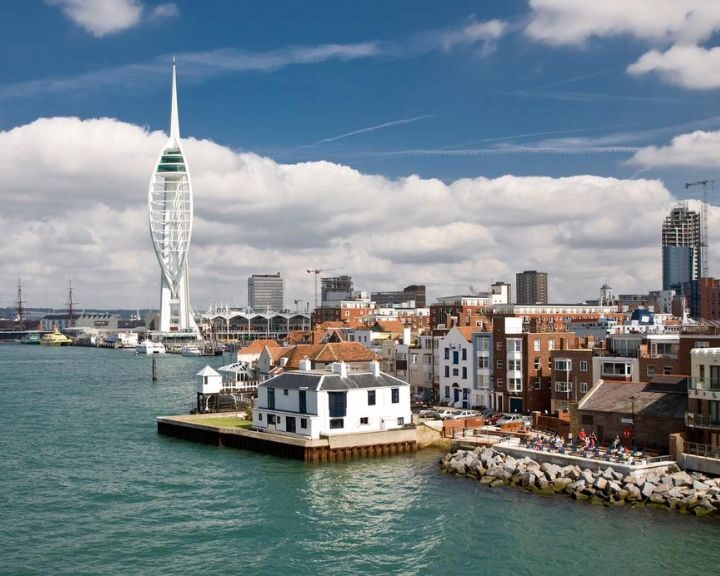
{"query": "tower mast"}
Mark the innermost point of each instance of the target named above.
(70, 305)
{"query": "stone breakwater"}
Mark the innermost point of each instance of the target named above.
(672, 488)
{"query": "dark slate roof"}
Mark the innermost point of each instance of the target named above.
(615, 397)
(326, 380)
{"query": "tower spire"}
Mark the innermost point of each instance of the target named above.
(174, 121)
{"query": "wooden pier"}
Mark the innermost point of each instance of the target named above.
(326, 449)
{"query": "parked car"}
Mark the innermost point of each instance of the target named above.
(428, 414)
(446, 414)
(463, 414)
(510, 419)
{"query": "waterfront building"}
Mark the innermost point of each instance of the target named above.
(531, 287)
(483, 389)
(79, 320)
(170, 207)
(456, 368)
(702, 419)
(266, 292)
(332, 402)
(572, 377)
(421, 368)
(709, 298)
(237, 325)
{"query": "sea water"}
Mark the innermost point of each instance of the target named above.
(89, 487)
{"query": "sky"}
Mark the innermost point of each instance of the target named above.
(451, 144)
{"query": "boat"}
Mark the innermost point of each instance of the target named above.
(31, 338)
(149, 347)
(55, 338)
(190, 350)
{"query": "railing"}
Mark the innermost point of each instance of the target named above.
(712, 384)
(701, 421)
(704, 450)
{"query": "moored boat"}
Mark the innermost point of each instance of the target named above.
(149, 347)
(31, 338)
(190, 350)
(55, 338)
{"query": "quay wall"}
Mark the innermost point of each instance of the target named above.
(328, 449)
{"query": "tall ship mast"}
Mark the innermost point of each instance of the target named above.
(20, 303)
(70, 305)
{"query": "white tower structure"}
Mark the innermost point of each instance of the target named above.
(170, 204)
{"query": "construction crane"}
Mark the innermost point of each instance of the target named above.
(704, 266)
(297, 301)
(315, 271)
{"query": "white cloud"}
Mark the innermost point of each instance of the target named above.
(681, 25)
(696, 149)
(103, 17)
(74, 202)
(575, 21)
(687, 66)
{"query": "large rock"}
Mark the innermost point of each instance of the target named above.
(487, 480)
(588, 476)
(457, 467)
(572, 472)
(633, 492)
(577, 486)
(600, 483)
(528, 479)
(552, 471)
(559, 484)
(647, 489)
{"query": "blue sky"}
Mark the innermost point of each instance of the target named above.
(475, 114)
(454, 91)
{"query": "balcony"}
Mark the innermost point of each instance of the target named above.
(704, 388)
(705, 421)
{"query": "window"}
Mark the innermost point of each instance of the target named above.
(667, 370)
(702, 345)
(464, 353)
(456, 372)
(336, 423)
(586, 419)
(395, 395)
(371, 397)
(563, 365)
(514, 365)
(290, 424)
(536, 362)
(536, 345)
(260, 416)
(583, 387)
(285, 392)
(499, 363)
(447, 371)
(650, 371)
(401, 421)
(271, 398)
(514, 385)
(563, 386)
(302, 404)
(551, 344)
(615, 369)
(364, 420)
(278, 419)
(583, 365)
(271, 418)
(483, 362)
(303, 422)
(447, 353)
(538, 383)
(413, 358)
(337, 403)
(514, 345)
(447, 391)
(561, 405)
(464, 373)
(427, 359)
(456, 356)
(483, 344)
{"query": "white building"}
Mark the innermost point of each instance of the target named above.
(456, 366)
(483, 390)
(315, 403)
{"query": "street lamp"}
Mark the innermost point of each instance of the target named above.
(632, 416)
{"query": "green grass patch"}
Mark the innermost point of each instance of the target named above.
(224, 422)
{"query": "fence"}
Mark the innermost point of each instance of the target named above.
(704, 450)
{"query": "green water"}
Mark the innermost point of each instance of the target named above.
(88, 487)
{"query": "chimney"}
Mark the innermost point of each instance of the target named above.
(340, 368)
(406, 336)
(375, 368)
(305, 365)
